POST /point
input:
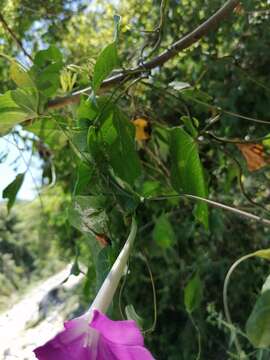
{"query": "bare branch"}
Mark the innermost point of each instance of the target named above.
(14, 37)
(159, 60)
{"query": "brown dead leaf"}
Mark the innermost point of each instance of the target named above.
(254, 155)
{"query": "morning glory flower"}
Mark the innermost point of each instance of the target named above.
(93, 336)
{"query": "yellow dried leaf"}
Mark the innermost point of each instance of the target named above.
(143, 129)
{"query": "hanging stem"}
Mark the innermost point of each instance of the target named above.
(106, 292)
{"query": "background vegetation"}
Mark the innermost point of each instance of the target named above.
(189, 248)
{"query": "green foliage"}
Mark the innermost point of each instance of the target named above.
(46, 70)
(10, 192)
(11, 112)
(193, 293)
(163, 233)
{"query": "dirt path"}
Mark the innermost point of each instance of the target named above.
(17, 338)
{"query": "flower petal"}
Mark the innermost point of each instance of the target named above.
(119, 332)
(110, 351)
(73, 343)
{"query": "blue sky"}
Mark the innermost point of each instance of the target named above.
(17, 160)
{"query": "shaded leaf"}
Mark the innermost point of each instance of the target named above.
(46, 70)
(118, 137)
(258, 323)
(163, 233)
(186, 170)
(10, 192)
(193, 293)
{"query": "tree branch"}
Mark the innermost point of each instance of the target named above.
(14, 37)
(159, 60)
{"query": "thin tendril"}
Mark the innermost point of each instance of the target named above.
(225, 299)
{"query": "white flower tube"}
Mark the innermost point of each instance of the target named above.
(107, 290)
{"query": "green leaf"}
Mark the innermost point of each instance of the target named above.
(193, 293)
(106, 62)
(132, 315)
(163, 233)
(47, 130)
(10, 192)
(49, 56)
(86, 110)
(83, 181)
(17, 106)
(190, 126)
(46, 70)
(27, 99)
(10, 113)
(258, 323)
(186, 170)
(20, 75)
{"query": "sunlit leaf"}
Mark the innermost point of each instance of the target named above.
(106, 62)
(20, 75)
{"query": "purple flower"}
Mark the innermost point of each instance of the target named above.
(101, 339)
(93, 336)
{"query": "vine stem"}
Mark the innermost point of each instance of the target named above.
(107, 290)
(198, 336)
(14, 37)
(232, 209)
(225, 299)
